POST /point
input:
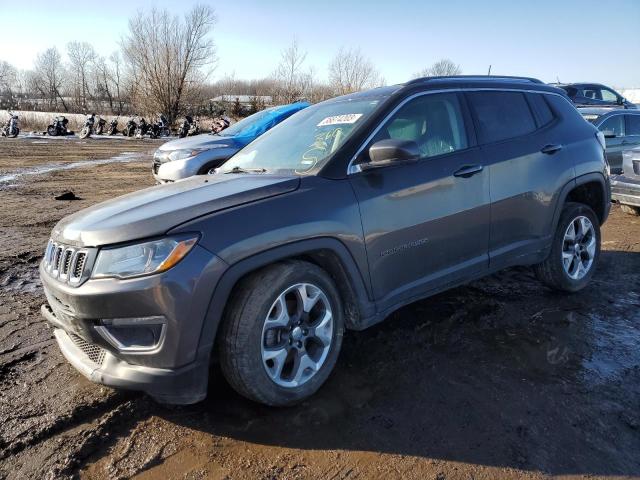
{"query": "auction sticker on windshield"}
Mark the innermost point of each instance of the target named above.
(340, 119)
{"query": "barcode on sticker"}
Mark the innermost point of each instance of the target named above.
(340, 119)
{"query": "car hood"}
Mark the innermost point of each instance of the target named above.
(154, 211)
(199, 141)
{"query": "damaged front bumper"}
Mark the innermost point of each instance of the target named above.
(105, 328)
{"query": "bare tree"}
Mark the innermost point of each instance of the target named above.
(7, 75)
(350, 71)
(442, 68)
(291, 81)
(168, 55)
(47, 77)
(82, 57)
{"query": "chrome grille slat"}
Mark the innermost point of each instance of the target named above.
(66, 261)
(78, 266)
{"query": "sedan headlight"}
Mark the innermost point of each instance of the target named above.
(191, 152)
(142, 258)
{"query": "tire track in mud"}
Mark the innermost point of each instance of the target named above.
(51, 418)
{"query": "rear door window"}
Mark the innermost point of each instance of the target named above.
(633, 125)
(501, 115)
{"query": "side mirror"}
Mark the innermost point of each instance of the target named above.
(609, 134)
(387, 152)
(620, 101)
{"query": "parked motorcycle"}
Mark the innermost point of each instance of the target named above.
(59, 126)
(130, 128)
(163, 126)
(113, 127)
(185, 127)
(194, 129)
(101, 124)
(87, 129)
(219, 124)
(142, 129)
(11, 129)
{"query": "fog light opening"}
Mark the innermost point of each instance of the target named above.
(133, 335)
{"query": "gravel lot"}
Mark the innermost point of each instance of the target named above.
(502, 378)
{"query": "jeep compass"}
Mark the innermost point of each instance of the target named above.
(330, 221)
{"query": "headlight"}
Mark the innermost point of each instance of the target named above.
(192, 152)
(142, 258)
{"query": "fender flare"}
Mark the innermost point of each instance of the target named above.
(576, 182)
(236, 271)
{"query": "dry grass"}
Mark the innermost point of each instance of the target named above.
(38, 121)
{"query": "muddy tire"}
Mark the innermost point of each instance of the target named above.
(630, 209)
(282, 333)
(575, 250)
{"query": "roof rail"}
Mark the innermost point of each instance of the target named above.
(475, 77)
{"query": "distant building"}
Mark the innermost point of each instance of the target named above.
(244, 100)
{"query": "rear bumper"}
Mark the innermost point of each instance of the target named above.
(625, 190)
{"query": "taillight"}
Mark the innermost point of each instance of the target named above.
(601, 140)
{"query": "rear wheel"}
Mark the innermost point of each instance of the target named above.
(282, 333)
(575, 250)
(630, 209)
(84, 133)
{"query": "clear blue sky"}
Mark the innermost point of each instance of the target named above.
(583, 40)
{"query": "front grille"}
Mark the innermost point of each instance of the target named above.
(93, 352)
(67, 264)
(636, 167)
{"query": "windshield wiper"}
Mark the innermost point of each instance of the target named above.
(246, 170)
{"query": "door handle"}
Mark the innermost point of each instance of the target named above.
(467, 170)
(551, 149)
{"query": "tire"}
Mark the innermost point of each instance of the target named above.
(84, 133)
(52, 131)
(553, 271)
(630, 209)
(16, 132)
(245, 328)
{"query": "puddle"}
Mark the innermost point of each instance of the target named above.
(615, 342)
(122, 158)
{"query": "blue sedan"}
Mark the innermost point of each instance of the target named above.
(197, 155)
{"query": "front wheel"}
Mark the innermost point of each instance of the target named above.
(282, 333)
(575, 250)
(52, 131)
(16, 132)
(84, 133)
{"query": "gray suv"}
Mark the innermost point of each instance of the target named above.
(332, 220)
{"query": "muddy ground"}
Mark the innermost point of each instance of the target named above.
(499, 379)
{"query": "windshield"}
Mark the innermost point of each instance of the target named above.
(247, 124)
(304, 141)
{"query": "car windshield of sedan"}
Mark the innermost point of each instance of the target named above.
(305, 141)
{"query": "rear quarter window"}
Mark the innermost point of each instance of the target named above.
(541, 108)
(501, 115)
